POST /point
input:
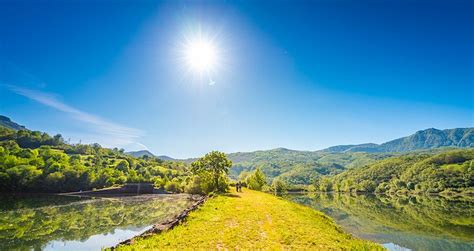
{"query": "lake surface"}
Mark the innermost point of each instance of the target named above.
(400, 223)
(37, 222)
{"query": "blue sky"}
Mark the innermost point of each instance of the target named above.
(301, 75)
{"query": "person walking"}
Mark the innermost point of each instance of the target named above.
(237, 186)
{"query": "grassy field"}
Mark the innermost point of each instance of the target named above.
(254, 220)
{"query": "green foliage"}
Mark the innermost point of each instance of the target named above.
(325, 184)
(29, 223)
(256, 180)
(298, 168)
(450, 171)
(213, 166)
(34, 161)
(305, 167)
(173, 186)
(279, 186)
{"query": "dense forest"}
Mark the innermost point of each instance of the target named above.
(301, 168)
(35, 161)
(445, 172)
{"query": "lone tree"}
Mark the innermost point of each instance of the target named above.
(215, 163)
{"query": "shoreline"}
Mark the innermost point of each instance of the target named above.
(166, 225)
(249, 220)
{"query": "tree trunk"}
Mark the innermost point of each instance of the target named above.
(216, 181)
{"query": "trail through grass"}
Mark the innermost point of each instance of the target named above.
(254, 220)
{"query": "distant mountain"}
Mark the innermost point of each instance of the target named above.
(6, 122)
(141, 153)
(164, 157)
(300, 167)
(422, 140)
(431, 138)
(369, 147)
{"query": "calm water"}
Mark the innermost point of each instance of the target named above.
(72, 223)
(400, 223)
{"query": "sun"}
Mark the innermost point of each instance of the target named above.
(201, 55)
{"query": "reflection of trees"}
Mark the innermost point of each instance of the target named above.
(34, 227)
(401, 217)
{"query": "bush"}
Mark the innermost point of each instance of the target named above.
(173, 187)
(279, 186)
(196, 186)
(256, 180)
(266, 188)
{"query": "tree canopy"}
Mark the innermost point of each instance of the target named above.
(214, 164)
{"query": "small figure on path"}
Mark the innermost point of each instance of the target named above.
(238, 186)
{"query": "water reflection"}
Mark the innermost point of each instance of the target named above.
(58, 222)
(401, 223)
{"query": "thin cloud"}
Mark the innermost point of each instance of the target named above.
(124, 135)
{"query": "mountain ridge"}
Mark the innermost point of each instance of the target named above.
(141, 153)
(8, 123)
(421, 140)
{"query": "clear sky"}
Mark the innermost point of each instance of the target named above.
(296, 74)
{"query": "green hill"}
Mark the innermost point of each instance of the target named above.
(298, 167)
(294, 167)
(36, 161)
(446, 172)
(303, 167)
(140, 154)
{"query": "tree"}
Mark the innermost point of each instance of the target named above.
(256, 180)
(216, 163)
(325, 184)
(123, 166)
(279, 186)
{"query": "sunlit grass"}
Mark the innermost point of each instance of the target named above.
(254, 220)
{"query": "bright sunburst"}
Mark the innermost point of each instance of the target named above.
(201, 55)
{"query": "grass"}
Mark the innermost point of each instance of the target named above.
(254, 220)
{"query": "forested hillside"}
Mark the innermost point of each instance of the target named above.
(35, 161)
(445, 172)
(304, 167)
(298, 167)
(421, 140)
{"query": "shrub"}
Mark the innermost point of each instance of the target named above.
(173, 186)
(279, 186)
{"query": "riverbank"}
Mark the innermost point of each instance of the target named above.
(253, 220)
